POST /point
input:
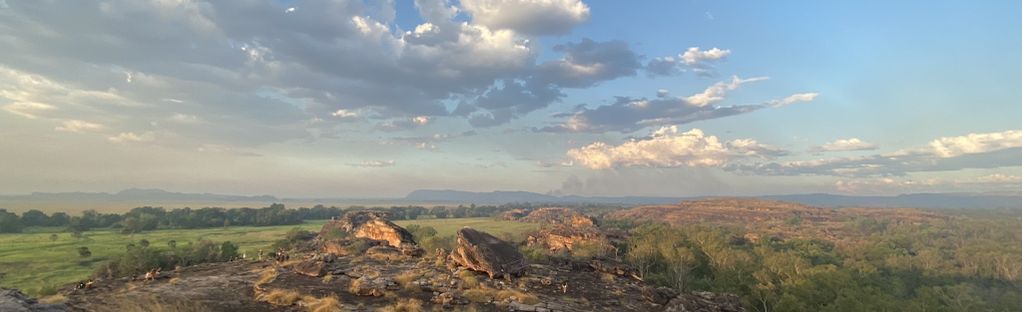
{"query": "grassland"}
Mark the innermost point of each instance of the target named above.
(32, 261)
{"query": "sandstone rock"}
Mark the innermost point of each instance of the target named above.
(367, 224)
(659, 295)
(448, 298)
(364, 286)
(705, 302)
(559, 215)
(314, 268)
(382, 251)
(613, 267)
(563, 237)
(514, 214)
(347, 247)
(12, 300)
(479, 251)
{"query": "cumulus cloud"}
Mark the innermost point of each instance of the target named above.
(667, 147)
(533, 17)
(974, 143)
(628, 114)
(693, 56)
(699, 61)
(982, 150)
(249, 66)
(843, 145)
(78, 126)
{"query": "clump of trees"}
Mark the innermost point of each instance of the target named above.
(142, 257)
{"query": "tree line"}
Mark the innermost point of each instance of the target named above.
(151, 218)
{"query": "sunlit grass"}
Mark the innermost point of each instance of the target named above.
(31, 261)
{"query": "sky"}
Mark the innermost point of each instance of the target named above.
(378, 98)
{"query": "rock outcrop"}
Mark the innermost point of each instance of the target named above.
(313, 268)
(479, 251)
(559, 215)
(371, 225)
(12, 300)
(561, 237)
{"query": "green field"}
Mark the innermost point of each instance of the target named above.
(31, 260)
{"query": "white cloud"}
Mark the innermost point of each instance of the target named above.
(794, 98)
(344, 113)
(1000, 178)
(131, 137)
(533, 17)
(185, 118)
(716, 92)
(693, 56)
(667, 147)
(976, 143)
(842, 145)
(699, 61)
(420, 120)
(980, 151)
(374, 163)
(290, 10)
(752, 148)
(27, 109)
(78, 126)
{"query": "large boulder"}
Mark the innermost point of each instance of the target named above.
(367, 224)
(479, 251)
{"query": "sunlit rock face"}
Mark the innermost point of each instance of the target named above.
(369, 225)
(479, 251)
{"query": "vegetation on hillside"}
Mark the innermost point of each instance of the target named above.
(963, 264)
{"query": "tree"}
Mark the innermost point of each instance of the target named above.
(84, 252)
(9, 222)
(144, 243)
(228, 251)
(34, 218)
(172, 244)
(53, 237)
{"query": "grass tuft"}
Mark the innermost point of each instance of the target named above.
(404, 305)
(280, 297)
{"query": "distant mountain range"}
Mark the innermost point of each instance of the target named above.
(143, 197)
(137, 194)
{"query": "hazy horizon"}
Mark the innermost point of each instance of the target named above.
(377, 98)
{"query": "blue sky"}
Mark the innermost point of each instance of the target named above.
(378, 98)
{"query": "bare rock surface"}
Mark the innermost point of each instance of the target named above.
(12, 300)
(480, 251)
